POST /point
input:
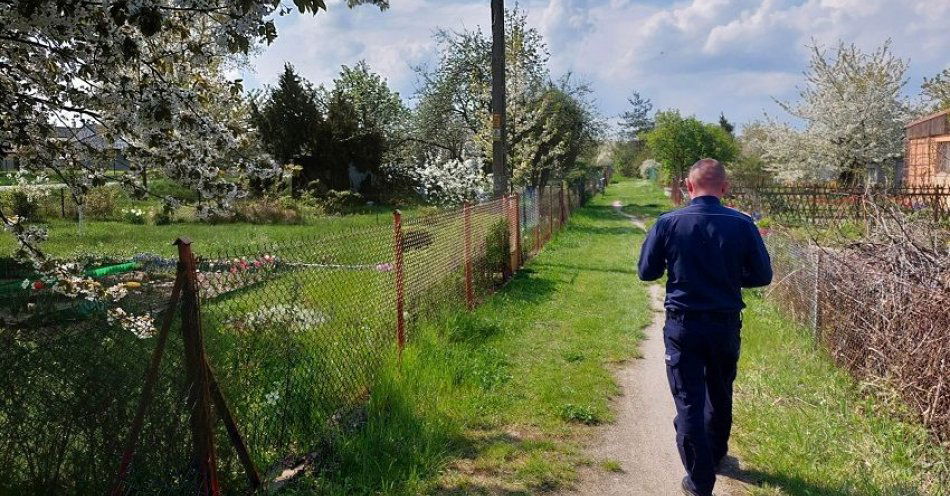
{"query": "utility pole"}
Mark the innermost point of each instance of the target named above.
(499, 124)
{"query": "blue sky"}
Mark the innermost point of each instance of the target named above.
(701, 56)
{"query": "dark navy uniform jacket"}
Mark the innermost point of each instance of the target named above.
(711, 253)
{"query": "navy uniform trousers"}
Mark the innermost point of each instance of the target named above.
(702, 351)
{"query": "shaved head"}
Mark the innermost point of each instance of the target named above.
(707, 177)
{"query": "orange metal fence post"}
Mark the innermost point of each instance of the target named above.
(400, 282)
(199, 391)
(467, 235)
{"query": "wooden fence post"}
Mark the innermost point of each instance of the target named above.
(467, 241)
(550, 215)
(199, 390)
(398, 245)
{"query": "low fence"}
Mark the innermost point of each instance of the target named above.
(825, 203)
(278, 351)
(880, 308)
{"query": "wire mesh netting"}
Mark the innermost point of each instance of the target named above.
(879, 306)
(293, 335)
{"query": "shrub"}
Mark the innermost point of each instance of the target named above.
(163, 217)
(101, 203)
(265, 211)
(133, 215)
(337, 202)
(23, 206)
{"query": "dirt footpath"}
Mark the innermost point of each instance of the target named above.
(642, 439)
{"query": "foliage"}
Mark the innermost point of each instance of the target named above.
(358, 124)
(725, 124)
(101, 203)
(23, 206)
(264, 210)
(147, 77)
(133, 215)
(678, 142)
(290, 119)
(853, 112)
(337, 202)
(163, 216)
(549, 123)
(637, 120)
(936, 90)
(451, 181)
(750, 166)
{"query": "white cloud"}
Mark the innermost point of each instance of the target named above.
(702, 56)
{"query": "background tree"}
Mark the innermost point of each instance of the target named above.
(936, 91)
(453, 118)
(678, 142)
(726, 125)
(853, 112)
(289, 119)
(637, 119)
(335, 135)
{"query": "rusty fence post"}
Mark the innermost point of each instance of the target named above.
(467, 241)
(516, 207)
(398, 245)
(538, 202)
(561, 206)
(151, 377)
(199, 387)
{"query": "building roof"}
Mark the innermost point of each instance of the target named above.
(87, 134)
(936, 124)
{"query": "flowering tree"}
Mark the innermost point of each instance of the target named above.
(936, 90)
(453, 117)
(146, 74)
(853, 113)
(450, 181)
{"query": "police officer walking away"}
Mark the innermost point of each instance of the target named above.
(710, 253)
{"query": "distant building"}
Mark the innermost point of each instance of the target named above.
(928, 151)
(87, 135)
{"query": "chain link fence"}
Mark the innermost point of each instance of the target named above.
(877, 299)
(262, 355)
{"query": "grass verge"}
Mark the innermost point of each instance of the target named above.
(804, 428)
(496, 400)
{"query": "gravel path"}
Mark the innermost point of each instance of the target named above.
(642, 439)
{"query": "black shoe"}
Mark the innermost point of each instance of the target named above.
(686, 490)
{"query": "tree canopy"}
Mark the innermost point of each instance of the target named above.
(678, 142)
(853, 112)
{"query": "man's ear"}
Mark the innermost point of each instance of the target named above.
(725, 188)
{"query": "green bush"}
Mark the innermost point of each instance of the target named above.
(337, 202)
(133, 215)
(101, 203)
(22, 206)
(265, 211)
(163, 217)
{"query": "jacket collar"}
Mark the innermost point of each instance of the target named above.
(705, 200)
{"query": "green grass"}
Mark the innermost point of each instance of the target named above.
(804, 428)
(498, 399)
(121, 238)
